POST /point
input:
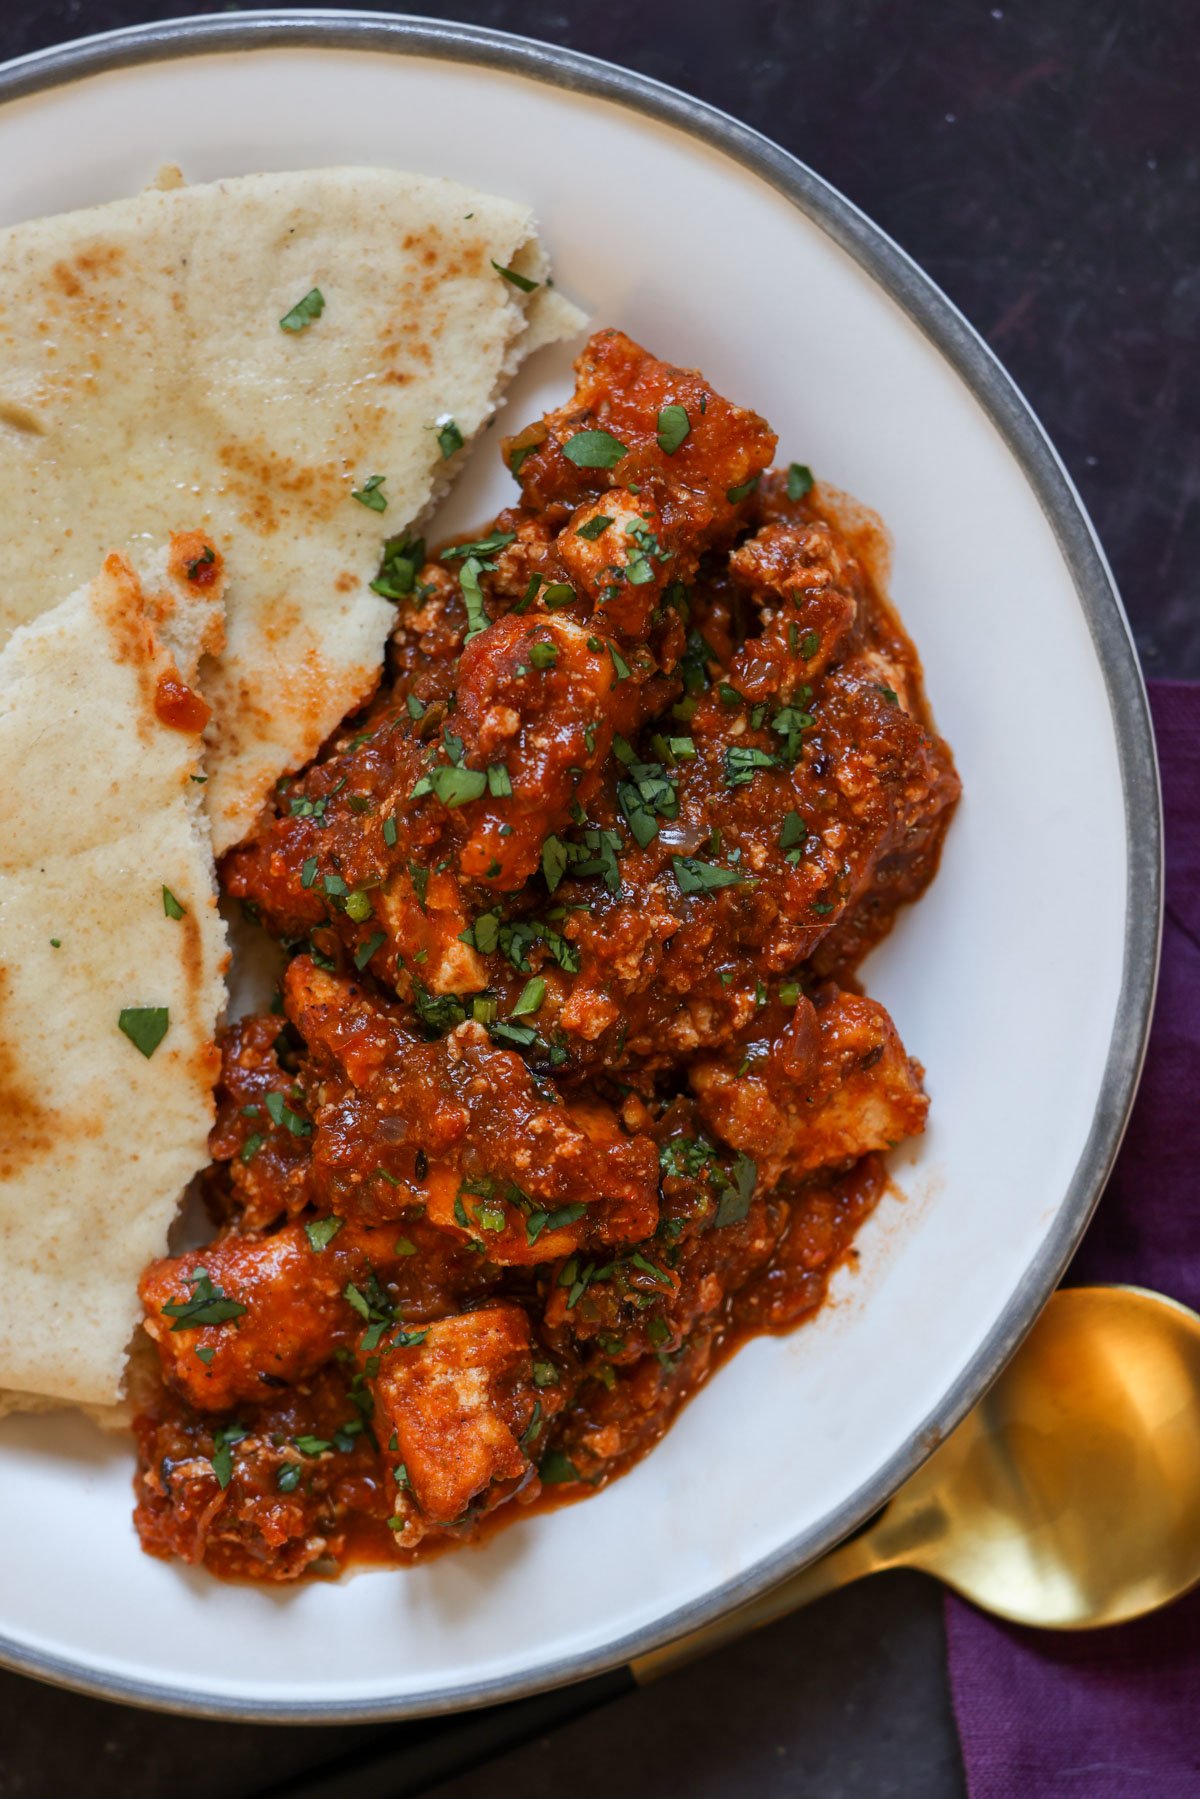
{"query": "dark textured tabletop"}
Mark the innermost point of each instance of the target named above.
(1041, 160)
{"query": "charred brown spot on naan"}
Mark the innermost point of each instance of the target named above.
(258, 477)
(21, 418)
(30, 1128)
(129, 635)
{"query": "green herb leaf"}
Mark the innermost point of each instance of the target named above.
(810, 643)
(304, 311)
(673, 427)
(594, 449)
(145, 1026)
(532, 995)
(402, 557)
(457, 786)
(557, 595)
(312, 1445)
(287, 1478)
(556, 1468)
(799, 480)
(251, 1146)
(735, 494)
(593, 528)
(794, 831)
(621, 668)
(171, 905)
(222, 1456)
(365, 951)
(207, 1305)
(321, 1232)
(499, 781)
(694, 876)
(735, 1200)
(282, 1115)
(522, 281)
(742, 762)
(512, 1036)
(308, 871)
(482, 546)
(554, 861)
(450, 439)
(540, 1221)
(371, 494)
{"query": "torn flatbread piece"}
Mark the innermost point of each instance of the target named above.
(296, 362)
(112, 954)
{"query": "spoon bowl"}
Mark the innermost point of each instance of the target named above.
(1068, 1499)
(1070, 1496)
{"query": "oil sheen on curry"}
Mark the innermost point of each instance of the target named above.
(568, 1085)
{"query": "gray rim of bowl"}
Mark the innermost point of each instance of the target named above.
(1004, 404)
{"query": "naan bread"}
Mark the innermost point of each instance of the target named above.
(98, 814)
(145, 379)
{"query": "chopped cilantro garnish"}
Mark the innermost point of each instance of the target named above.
(482, 546)
(810, 643)
(287, 1478)
(450, 439)
(397, 577)
(532, 995)
(735, 494)
(621, 668)
(145, 1026)
(594, 449)
(522, 281)
(735, 1200)
(799, 480)
(389, 832)
(321, 1231)
(499, 781)
(555, 1468)
(477, 618)
(455, 786)
(207, 1305)
(282, 1114)
(512, 1036)
(371, 494)
(742, 761)
(673, 427)
(251, 1146)
(593, 528)
(171, 905)
(554, 861)
(694, 876)
(222, 1456)
(308, 871)
(312, 1445)
(304, 311)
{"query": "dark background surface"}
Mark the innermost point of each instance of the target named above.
(1041, 161)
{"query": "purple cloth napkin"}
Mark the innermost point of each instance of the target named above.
(1115, 1714)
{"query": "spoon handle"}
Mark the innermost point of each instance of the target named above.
(850, 1561)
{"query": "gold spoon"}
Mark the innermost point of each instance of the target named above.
(1069, 1498)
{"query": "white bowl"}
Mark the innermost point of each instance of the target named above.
(1023, 981)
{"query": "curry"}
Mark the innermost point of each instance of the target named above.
(569, 1084)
